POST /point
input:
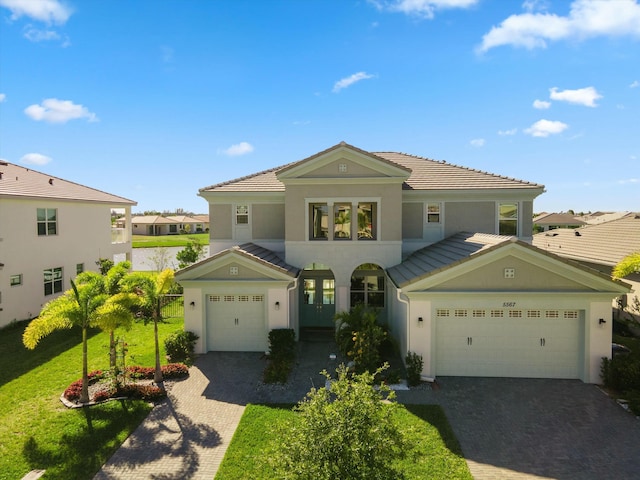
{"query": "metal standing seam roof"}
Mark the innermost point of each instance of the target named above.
(17, 181)
(604, 243)
(441, 255)
(425, 174)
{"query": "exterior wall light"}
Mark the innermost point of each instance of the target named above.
(192, 305)
(601, 321)
(277, 306)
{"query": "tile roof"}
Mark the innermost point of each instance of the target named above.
(426, 174)
(153, 220)
(442, 255)
(557, 219)
(604, 243)
(267, 257)
(21, 182)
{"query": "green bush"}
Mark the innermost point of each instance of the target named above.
(414, 364)
(180, 347)
(282, 353)
(621, 373)
(343, 431)
(359, 337)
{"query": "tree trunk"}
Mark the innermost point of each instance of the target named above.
(112, 350)
(84, 395)
(157, 377)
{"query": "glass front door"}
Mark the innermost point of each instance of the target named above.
(317, 302)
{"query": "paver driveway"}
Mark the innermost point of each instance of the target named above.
(508, 428)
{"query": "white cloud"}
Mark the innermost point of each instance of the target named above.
(35, 159)
(477, 142)
(635, 84)
(503, 133)
(48, 11)
(541, 104)
(587, 18)
(544, 128)
(582, 96)
(348, 81)
(53, 110)
(3, 97)
(238, 149)
(36, 35)
(167, 54)
(629, 181)
(420, 8)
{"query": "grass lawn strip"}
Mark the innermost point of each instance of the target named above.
(153, 241)
(36, 430)
(435, 452)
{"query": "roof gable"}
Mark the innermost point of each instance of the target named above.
(252, 262)
(21, 182)
(468, 262)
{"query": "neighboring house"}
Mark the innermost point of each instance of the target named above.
(551, 221)
(169, 225)
(599, 246)
(51, 230)
(442, 251)
(601, 217)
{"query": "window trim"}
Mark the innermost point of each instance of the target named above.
(428, 213)
(46, 222)
(501, 219)
(57, 284)
(330, 205)
(242, 211)
(14, 277)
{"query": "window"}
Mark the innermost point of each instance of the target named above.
(15, 280)
(173, 229)
(442, 312)
(367, 286)
(79, 268)
(53, 281)
(366, 221)
(433, 213)
(508, 219)
(242, 214)
(47, 221)
(319, 216)
(342, 221)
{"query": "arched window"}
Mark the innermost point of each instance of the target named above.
(368, 286)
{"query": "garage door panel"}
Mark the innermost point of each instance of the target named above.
(236, 323)
(511, 345)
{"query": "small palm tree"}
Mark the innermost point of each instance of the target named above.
(85, 305)
(150, 291)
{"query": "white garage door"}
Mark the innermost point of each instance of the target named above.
(508, 343)
(236, 323)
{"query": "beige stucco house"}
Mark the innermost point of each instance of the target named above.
(442, 251)
(50, 230)
(169, 225)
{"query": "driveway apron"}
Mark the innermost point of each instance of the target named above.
(508, 428)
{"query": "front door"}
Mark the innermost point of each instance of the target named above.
(317, 302)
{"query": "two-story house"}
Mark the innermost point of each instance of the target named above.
(443, 252)
(50, 230)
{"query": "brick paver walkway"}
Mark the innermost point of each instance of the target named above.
(520, 429)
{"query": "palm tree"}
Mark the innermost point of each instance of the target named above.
(150, 291)
(85, 305)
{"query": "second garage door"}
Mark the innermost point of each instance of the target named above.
(508, 343)
(236, 323)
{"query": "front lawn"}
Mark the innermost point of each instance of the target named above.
(36, 430)
(435, 452)
(155, 241)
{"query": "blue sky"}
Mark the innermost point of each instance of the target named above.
(152, 100)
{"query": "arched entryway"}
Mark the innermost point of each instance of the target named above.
(368, 288)
(317, 297)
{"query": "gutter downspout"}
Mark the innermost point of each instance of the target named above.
(406, 302)
(293, 287)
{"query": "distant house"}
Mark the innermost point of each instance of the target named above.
(50, 230)
(551, 221)
(599, 246)
(441, 252)
(169, 225)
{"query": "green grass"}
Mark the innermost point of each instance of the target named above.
(435, 452)
(36, 430)
(150, 241)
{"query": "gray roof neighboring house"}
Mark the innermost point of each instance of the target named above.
(604, 243)
(22, 182)
(425, 174)
(441, 255)
(558, 219)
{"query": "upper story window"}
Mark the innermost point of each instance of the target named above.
(319, 221)
(338, 218)
(15, 280)
(242, 214)
(433, 212)
(508, 219)
(79, 268)
(47, 221)
(53, 281)
(342, 221)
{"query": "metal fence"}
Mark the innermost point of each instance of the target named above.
(172, 306)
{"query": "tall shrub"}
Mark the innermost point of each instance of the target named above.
(359, 337)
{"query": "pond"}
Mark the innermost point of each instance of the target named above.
(155, 259)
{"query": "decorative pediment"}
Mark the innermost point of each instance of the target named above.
(343, 163)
